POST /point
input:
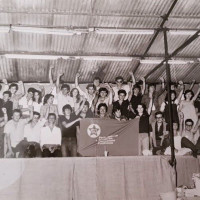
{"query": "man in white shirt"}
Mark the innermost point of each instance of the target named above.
(63, 95)
(50, 139)
(14, 131)
(32, 133)
(119, 86)
(26, 101)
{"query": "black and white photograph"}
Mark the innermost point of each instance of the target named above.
(99, 99)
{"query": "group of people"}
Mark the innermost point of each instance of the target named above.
(38, 123)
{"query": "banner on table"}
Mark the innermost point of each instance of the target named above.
(99, 137)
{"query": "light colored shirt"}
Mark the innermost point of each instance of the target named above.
(25, 103)
(15, 130)
(62, 101)
(116, 89)
(37, 106)
(32, 133)
(49, 136)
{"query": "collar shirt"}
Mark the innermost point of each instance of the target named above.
(25, 103)
(116, 89)
(15, 130)
(62, 101)
(49, 136)
(32, 133)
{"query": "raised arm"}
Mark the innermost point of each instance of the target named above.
(143, 85)
(50, 75)
(58, 82)
(192, 85)
(197, 93)
(132, 77)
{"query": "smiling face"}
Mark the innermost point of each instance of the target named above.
(140, 109)
(102, 110)
(50, 100)
(36, 95)
(51, 119)
(188, 95)
(188, 126)
(75, 92)
(103, 94)
(159, 118)
(16, 116)
(91, 90)
(122, 96)
(119, 82)
(13, 90)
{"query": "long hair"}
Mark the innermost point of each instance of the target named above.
(40, 96)
(46, 98)
(78, 97)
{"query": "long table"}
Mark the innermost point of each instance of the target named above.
(92, 178)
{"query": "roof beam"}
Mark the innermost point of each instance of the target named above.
(174, 53)
(165, 18)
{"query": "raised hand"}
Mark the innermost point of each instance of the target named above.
(4, 110)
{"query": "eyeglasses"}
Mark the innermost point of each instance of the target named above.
(189, 125)
(120, 81)
(158, 117)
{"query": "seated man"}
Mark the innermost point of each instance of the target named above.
(50, 139)
(32, 136)
(188, 137)
(68, 123)
(177, 142)
(158, 132)
(14, 131)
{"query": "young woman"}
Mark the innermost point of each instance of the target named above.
(174, 102)
(102, 111)
(75, 94)
(187, 105)
(37, 100)
(143, 116)
(48, 107)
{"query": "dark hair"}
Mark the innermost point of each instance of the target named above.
(51, 114)
(189, 91)
(119, 77)
(31, 90)
(176, 123)
(171, 92)
(151, 84)
(17, 111)
(40, 96)
(36, 113)
(115, 108)
(102, 105)
(87, 104)
(14, 85)
(91, 85)
(189, 120)
(7, 92)
(0, 87)
(122, 92)
(158, 113)
(144, 109)
(65, 86)
(103, 89)
(137, 86)
(78, 97)
(46, 98)
(97, 78)
(67, 106)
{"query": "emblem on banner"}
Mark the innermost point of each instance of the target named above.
(94, 130)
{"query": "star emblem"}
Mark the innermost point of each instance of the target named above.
(93, 130)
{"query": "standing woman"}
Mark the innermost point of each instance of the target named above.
(174, 102)
(187, 106)
(143, 116)
(75, 94)
(48, 107)
(37, 100)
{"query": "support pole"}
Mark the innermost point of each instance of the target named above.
(168, 75)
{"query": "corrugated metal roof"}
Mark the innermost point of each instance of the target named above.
(95, 13)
